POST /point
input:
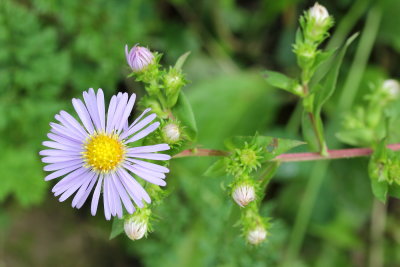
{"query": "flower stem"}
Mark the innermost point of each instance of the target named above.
(292, 157)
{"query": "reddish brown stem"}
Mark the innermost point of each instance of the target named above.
(292, 157)
(332, 154)
(201, 152)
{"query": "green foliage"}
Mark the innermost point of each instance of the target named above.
(53, 50)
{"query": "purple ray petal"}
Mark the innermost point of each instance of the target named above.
(64, 141)
(122, 193)
(70, 179)
(137, 127)
(119, 111)
(91, 105)
(96, 196)
(126, 113)
(150, 166)
(125, 179)
(82, 189)
(73, 122)
(62, 165)
(83, 114)
(64, 131)
(87, 192)
(70, 127)
(160, 175)
(56, 152)
(101, 108)
(61, 172)
(136, 186)
(147, 149)
(53, 159)
(116, 199)
(143, 133)
(107, 211)
(146, 176)
(152, 156)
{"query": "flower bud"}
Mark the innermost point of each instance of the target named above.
(135, 229)
(257, 235)
(319, 13)
(243, 194)
(171, 133)
(392, 88)
(138, 57)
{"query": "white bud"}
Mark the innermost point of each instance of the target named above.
(134, 229)
(171, 132)
(319, 13)
(257, 235)
(243, 194)
(392, 87)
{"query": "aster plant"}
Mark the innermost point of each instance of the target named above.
(103, 153)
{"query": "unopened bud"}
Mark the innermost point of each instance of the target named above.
(243, 194)
(135, 229)
(257, 235)
(171, 132)
(138, 57)
(319, 13)
(392, 87)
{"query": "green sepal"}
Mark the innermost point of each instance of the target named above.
(270, 146)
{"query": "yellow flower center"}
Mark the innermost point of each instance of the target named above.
(103, 152)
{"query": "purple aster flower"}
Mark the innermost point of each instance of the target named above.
(138, 57)
(98, 155)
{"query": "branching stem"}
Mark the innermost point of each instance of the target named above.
(293, 157)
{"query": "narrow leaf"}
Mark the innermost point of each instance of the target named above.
(183, 111)
(181, 60)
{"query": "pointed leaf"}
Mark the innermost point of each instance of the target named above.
(117, 228)
(183, 111)
(181, 60)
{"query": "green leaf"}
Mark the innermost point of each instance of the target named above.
(394, 191)
(183, 111)
(181, 60)
(271, 146)
(117, 228)
(216, 169)
(329, 83)
(281, 81)
(379, 189)
(378, 172)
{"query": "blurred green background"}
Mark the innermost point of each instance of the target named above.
(52, 50)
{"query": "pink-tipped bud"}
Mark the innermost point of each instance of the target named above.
(319, 13)
(392, 87)
(243, 194)
(257, 235)
(138, 57)
(135, 229)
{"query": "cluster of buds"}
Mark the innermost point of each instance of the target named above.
(245, 160)
(315, 25)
